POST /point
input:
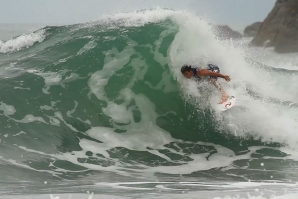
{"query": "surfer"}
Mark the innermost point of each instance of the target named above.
(212, 71)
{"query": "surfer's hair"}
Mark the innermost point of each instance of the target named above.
(185, 68)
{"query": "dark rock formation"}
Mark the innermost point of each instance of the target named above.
(224, 32)
(252, 30)
(280, 27)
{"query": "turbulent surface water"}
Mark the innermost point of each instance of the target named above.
(102, 108)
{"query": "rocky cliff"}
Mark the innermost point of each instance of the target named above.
(280, 28)
(224, 32)
(252, 30)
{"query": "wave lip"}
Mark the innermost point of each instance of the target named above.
(22, 41)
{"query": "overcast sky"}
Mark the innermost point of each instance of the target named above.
(230, 12)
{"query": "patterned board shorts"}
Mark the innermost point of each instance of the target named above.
(213, 68)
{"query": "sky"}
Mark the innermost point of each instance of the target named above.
(235, 13)
(76, 11)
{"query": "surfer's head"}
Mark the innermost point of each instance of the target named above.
(186, 70)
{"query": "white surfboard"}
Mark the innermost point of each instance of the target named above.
(227, 104)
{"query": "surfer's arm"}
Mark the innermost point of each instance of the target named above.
(205, 72)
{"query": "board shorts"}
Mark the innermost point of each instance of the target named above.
(213, 68)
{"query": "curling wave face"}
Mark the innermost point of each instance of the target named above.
(103, 101)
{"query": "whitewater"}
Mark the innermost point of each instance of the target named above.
(101, 110)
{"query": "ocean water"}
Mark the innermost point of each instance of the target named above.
(101, 110)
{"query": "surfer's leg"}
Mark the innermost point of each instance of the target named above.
(213, 79)
(224, 96)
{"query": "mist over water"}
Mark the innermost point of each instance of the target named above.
(102, 107)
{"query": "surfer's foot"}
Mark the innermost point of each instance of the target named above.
(224, 98)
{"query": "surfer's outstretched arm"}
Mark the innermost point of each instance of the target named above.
(205, 72)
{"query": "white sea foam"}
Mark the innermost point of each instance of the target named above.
(50, 79)
(7, 109)
(22, 41)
